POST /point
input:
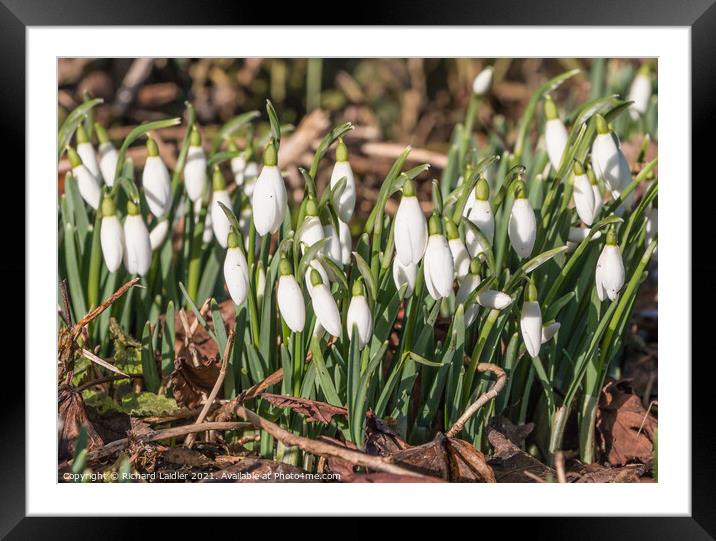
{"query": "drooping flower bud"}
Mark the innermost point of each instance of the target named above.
(108, 155)
(315, 265)
(555, 134)
(479, 212)
(290, 298)
(522, 228)
(460, 257)
(411, 229)
(549, 329)
(269, 199)
(219, 221)
(405, 274)
(531, 321)
(324, 305)
(86, 152)
(111, 235)
(583, 195)
(640, 92)
(195, 167)
(86, 182)
(609, 276)
(359, 315)
(481, 83)
(345, 203)
(236, 269)
(311, 230)
(159, 233)
(438, 267)
(137, 245)
(156, 182)
(608, 161)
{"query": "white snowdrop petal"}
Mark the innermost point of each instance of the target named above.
(481, 83)
(88, 186)
(291, 303)
(238, 165)
(531, 327)
(195, 172)
(556, 140)
(480, 214)
(494, 300)
(236, 275)
(639, 93)
(344, 234)
(219, 222)
(312, 232)
(584, 199)
(158, 234)
(324, 305)
(157, 186)
(548, 331)
(137, 246)
(460, 258)
(111, 239)
(346, 202)
(405, 274)
(332, 248)
(467, 286)
(269, 200)
(108, 156)
(359, 316)
(411, 231)
(609, 275)
(89, 158)
(315, 264)
(438, 267)
(522, 228)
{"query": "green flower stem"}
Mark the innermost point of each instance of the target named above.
(477, 353)
(95, 264)
(195, 253)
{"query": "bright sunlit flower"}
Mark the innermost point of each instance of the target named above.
(479, 212)
(640, 92)
(290, 298)
(269, 196)
(522, 228)
(438, 267)
(460, 257)
(159, 233)
(87, 152)
(195, 167)
(411, 228)
(86, 182)
(312, 230)
(219, 221)
(555, 134)
(609, 276)
(549, 329)
(531, 321)
(481, 83)
(137, 245)
(108, 155)
(405, 274)
(359, 315)
(608, 161)
(156, 181)
(467, 286)
(236, 269)
(345, 202)
(324, 305)
(111, 235)
(583, 193)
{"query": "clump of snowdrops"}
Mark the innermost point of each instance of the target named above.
(531, 258)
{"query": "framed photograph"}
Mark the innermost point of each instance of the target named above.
(359, 270)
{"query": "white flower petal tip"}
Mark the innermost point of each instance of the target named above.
(290, 303)
(344, 234)
(326, 309)
(137, 245)
(311, 232)
(467, 286)
(438, 267)
(585, 199)
(639, 93)
(460, 257)
(531, 327)
(195, 172)
(108, 156)
(479, 213)
(346, 201)
(555, 135)
(405, 274)
(494, 300)
(112, 241)
(609, 163)
(88, 186)
(158, 234)
(315, 264)
(269, 201)
(549, 330)
(236, 275)
(609, 275)
(89, 158)
(157, 186)
(411, 231)
(481, 83)
(359, 316)
(522, 228)
(219, 221)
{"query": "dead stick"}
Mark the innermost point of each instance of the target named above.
(482, 399)
(219, 381)
(319, 448)
(102, 307)
(559, 464)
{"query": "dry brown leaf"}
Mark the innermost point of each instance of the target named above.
(313, 410)
(380, 440)
(185, 457)
(625, 429)
(72, 416)
(511, 464)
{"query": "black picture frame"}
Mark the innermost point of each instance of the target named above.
(16, 15)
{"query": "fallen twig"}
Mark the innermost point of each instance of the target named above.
(102, 307)
(100, 361)
(482, 399)
(319, 448)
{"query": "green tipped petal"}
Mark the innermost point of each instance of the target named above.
(218, 183)
(270, 154)
(311, 207)
(602, 126)
(315, 277)
(357, 289)
(531, 292)
(482, 190)
(434, 227)
(108, 206)
(284, 267)
(75, 160)
(81, 134)
(408, 188)
(132, 208)
(341, 151)
(611, 236)
(195, 137)
(102, 134)
(577, 168)
(232, 240)
(152, 148)
(550, 109)
(451, 230)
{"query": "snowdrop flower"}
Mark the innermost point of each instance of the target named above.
(238, 164)
(111, 235)
(195, 167)
(260, 282)
(269, 196)
(219, 221)
(438, 267)
(236, 269)
(290, 298)
(555, 134)
(481, 83)
(583, 194)
(250, 174)
(315, 265)
(108, 155)
(522, 228)
(344, 234)
(86, 182)
(137, 246)
(494, 300)
(345, 202)
(86, 152)
(324, 305)
(460, 257)
(549, 329)
(609, 276)
(208, 231)
(531, 321)
(479, 212)
(332, 248)
(159, 233)
(405, 274)
(411, 229)
(156, 182)
(311, 229)
(608, 161)
(467, 286)
(359, 315)
(640, 92)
